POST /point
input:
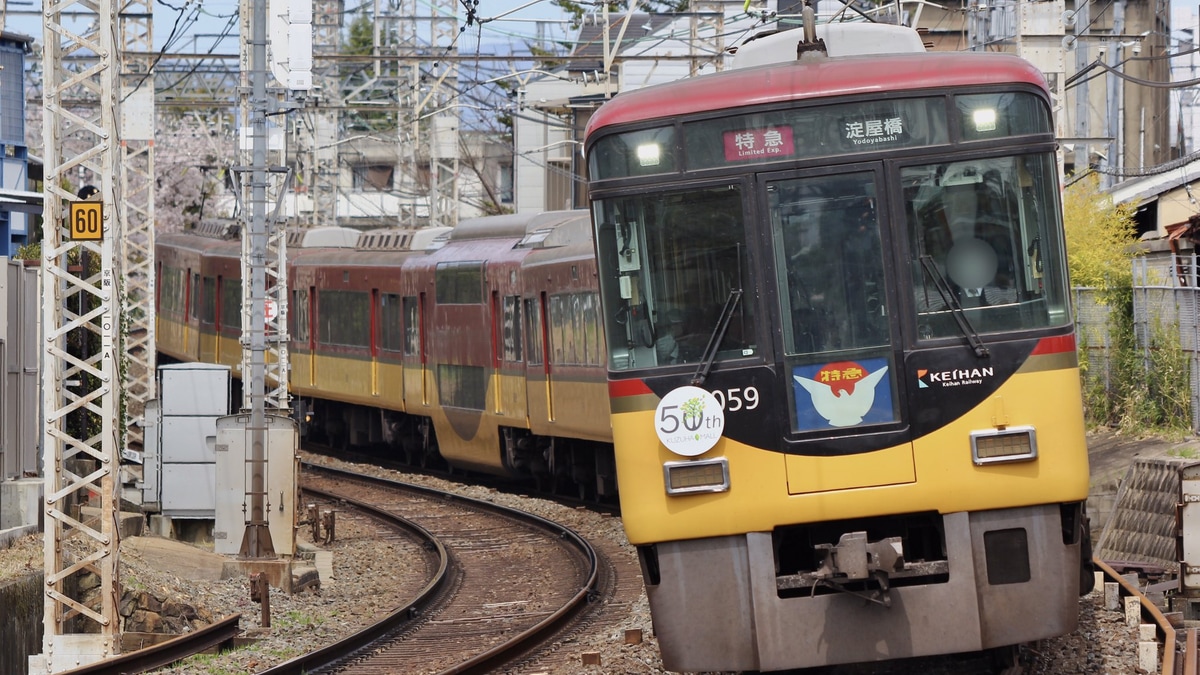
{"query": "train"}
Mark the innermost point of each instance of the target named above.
(815, 324)
(844, 388)
(476, 347)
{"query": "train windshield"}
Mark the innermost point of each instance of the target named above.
(985, 240)
(670, 262)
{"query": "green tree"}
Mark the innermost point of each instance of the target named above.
(1100, 235)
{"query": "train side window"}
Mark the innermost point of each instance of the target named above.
(511, 340)
(208, 302)
(412, 326)
(299, 316)
(533, 332)
(391, 335)
(558, 331)
(344, 318)
(231, 305)
(195, 300)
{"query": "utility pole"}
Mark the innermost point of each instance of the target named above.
(81, 317)
(137, 187)
(256, 541)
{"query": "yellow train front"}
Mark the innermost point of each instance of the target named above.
(843, 380)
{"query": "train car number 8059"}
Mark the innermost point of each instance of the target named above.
(737, 398)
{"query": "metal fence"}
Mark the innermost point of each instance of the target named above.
(1166, 292)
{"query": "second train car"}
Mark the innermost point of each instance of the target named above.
(478, 347)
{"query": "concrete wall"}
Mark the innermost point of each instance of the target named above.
(21, 629)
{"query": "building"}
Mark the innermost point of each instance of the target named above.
(18, 204)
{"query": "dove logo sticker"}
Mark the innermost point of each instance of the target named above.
(843, 394)
(689, 421)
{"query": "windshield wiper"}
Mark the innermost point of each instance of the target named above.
(714, 340)
(956, 309)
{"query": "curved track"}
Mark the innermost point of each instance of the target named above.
(505, 582)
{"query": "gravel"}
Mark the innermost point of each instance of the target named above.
(360, 590)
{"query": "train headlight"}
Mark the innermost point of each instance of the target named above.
(705, 475)
(649, 154)
(985, 119)
(1013, 444)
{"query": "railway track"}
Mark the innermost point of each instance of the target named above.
(504, 582)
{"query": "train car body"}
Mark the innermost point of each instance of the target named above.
(843, 381)
(478, 347)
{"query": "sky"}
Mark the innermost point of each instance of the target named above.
(196, 25)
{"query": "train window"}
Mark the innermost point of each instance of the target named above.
(511, 324)
(562, 348)
(344, 318)
(195, 301)
(833, 290)
(671, 265)
(391, 327)
(412, 326)
(984, 116)
(533, 331)
(300, 315)
(208, 301)
(231, 305)
(637, 153)
(172, 292)
(816, 131)
(985, 237)
(459, 283)
(462, 386)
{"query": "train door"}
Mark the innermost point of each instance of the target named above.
(539, 330)
(374, 343)
(840, 337)
(423, 346)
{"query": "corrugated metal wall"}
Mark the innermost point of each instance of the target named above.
(20, 401)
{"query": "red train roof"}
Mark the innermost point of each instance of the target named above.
(793, 80)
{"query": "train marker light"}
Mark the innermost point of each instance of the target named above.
(707, 475)
(649, 154)
(985, 119)
(1013, 444)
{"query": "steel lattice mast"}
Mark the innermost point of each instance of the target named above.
(319, 145)
(707, 33)
(81, 318)
(268, 318)
(137, 188)
(444, 119)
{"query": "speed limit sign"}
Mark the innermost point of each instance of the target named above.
(86, 220)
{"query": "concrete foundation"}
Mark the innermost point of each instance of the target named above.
(20, 502)
(129, 524)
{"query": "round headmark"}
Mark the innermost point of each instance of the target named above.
(689, 421)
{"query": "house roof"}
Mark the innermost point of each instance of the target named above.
(590, 40)
(1144, 189)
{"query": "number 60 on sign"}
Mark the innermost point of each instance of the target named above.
(86, 220)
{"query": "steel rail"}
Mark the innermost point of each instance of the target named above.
(165, 653)
(483, 663)
(1149, 609)
(336, 652)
